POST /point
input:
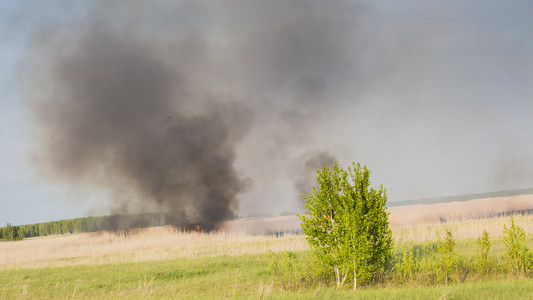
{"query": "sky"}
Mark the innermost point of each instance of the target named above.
(435, 97)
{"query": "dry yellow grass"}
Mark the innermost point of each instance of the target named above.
(160, 243)
(459, 210)
(139, 245)
(462, 230)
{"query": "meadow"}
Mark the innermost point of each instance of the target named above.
(163, 262)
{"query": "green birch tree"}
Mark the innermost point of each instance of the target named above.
(346, 225)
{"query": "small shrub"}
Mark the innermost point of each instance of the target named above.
(448, 258)
(407, 266)
(293, 270)
(463, 268)
(518, 256)
(429, 264)
(484, 265)
(420, 265)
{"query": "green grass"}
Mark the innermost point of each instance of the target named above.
(515, 289)
(211, 277)
(218, 277)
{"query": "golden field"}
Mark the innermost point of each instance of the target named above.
(162, 243)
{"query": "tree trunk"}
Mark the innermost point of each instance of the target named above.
(338, 277)
(354, 276)
(354, 280)
(344, 278)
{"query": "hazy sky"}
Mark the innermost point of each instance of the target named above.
(435, 97)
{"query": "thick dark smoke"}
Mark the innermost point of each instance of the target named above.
(118, 115)
(152, 101)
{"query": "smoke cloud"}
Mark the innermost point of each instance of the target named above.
(118, 115)
(211, 109)
(154, 112)
(305, 173)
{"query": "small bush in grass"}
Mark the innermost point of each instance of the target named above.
(484, 265)
(407, 266)
(428, 263)
(464, 268)
(518, 256)
(420, 265)
(294, 270)
(448, 258)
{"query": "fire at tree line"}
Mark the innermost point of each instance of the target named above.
(346, 226)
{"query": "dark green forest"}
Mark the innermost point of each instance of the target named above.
(87, 224)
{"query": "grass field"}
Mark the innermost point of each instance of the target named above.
(243, 276)
(166, 263)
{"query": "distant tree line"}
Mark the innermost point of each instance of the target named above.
(11, 233)
(87, 224)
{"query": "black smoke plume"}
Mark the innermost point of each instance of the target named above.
(115, 112)
(152, 101)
